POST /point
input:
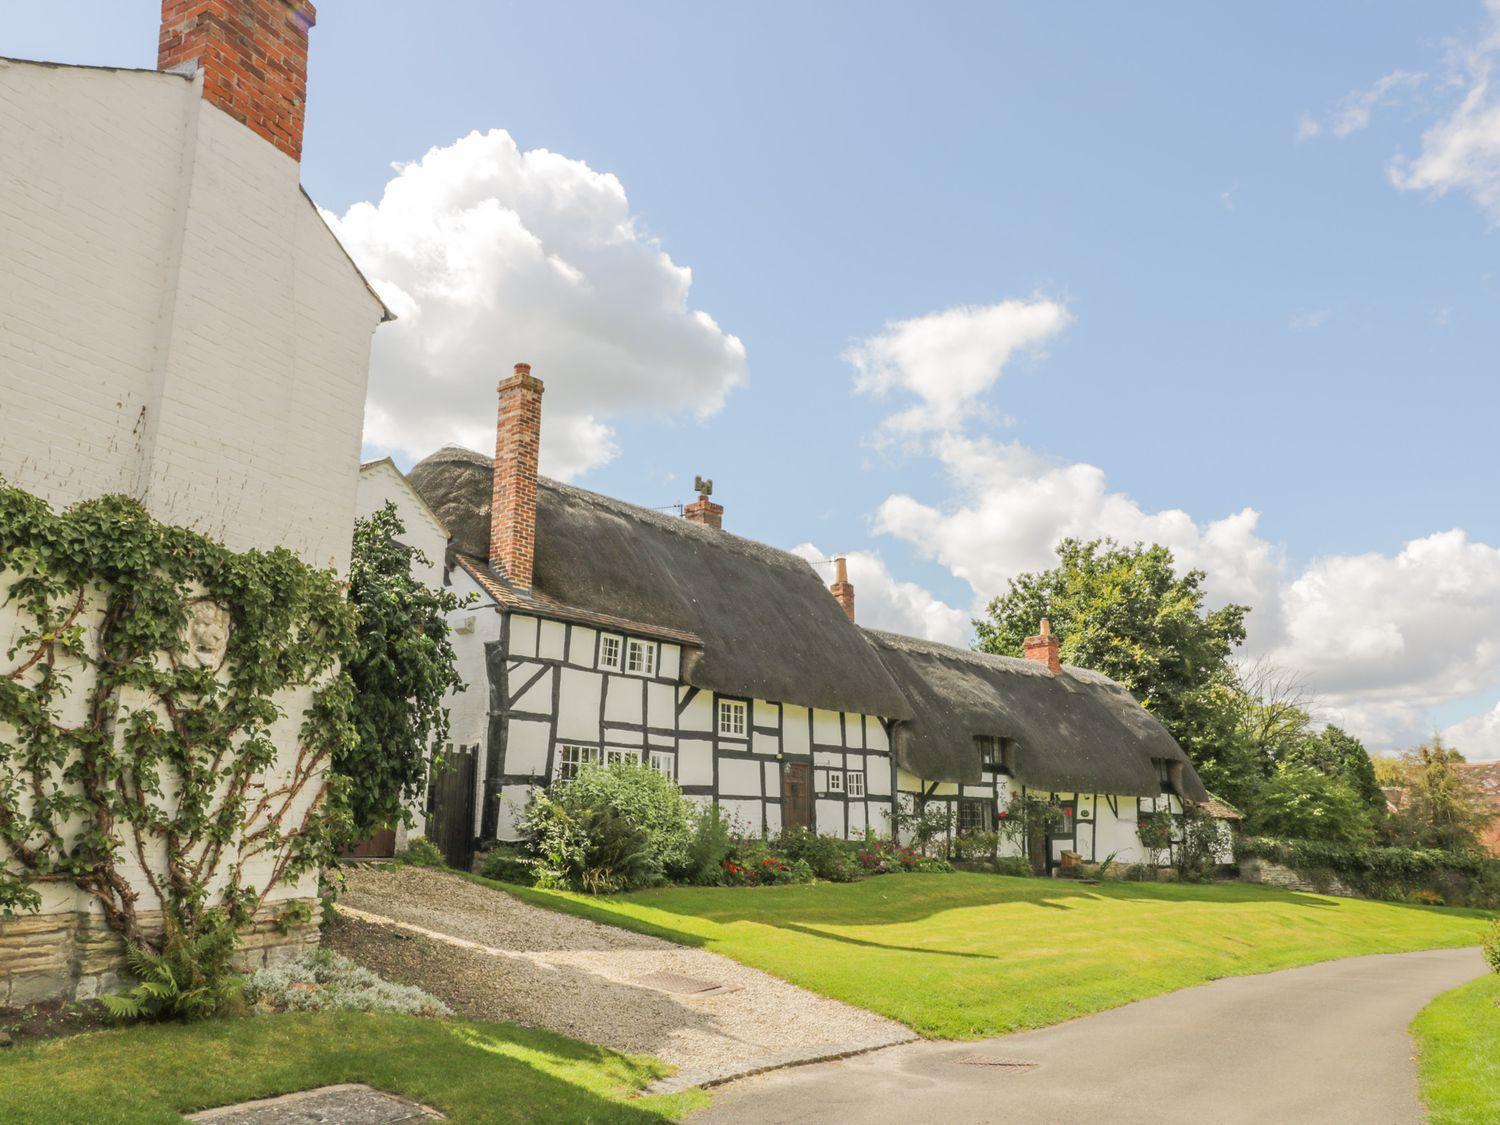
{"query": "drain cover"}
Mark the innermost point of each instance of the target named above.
(995, 1062)
(683, 985)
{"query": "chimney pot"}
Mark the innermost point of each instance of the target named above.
(254, 57)
(518, 440)
(843, 591)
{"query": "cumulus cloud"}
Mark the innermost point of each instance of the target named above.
(1310, 320)
(949, 359)
(1381, 639)
(1461, 151)
(490, 255)
(882, 601)
(1477, 738)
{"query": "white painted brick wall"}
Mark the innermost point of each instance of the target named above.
(176, 320)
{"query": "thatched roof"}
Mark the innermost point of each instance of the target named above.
(1076, 731)
(769, 627)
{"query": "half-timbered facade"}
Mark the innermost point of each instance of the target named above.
(605, 632)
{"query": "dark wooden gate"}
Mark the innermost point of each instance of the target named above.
(796, 795)
(450, 806)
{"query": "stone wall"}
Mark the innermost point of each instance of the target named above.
(1256, 870)
(75, 956)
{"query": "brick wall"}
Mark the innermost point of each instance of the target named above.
(518, 435)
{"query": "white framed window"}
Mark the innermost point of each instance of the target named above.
(613, 756)
(640, 657)
(664, 763)
(854, 783)
(835, 781)
(609, 652)
(571, 756)
(732, 717)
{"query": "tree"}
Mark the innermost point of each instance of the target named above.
(1339, 754)
(403, 664)
(1440, 805)
(1126, 612)
(1301, 802)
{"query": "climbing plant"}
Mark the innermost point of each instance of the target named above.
(144, 670)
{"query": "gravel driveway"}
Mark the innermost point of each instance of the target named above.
(492, 956)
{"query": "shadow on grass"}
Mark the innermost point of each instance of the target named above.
(844, 939)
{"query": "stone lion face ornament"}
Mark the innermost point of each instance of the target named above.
(207, 633)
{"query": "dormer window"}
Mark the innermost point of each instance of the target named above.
(609, 652)
(991, 752)
(640, 658)
(732, 717)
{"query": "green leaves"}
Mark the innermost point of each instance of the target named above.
(136, 706)
(400, 667)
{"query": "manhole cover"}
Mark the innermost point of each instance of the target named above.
(995, 1063)
(682, 985)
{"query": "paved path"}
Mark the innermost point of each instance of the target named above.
(1325, 1044)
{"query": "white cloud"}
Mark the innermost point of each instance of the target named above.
(1381, 639)
(490, 255)
(882, 601)
(948, 359)
(1309, 321)
(1462, 150)
(1352, 112)
(1477, 738)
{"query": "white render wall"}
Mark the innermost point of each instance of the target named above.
(381, 483)
(178, 322)
(556, 693)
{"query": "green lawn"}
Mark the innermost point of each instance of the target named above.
(477, 1072)
(969, 955)
(1459, 1038)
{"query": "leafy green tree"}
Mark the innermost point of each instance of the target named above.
(403, 665)
(1127, 612)
(1301, 802)
(1440, 805)
(1337, 753)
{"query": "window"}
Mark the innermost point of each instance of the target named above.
(613, 757)
(570, 757)
(609, 652)
(991, 752)
(835, 781)
(732, 717)
(640, 657)
(974, 816)
(854, 783)
(663, 763)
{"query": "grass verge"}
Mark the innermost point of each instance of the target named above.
(964, 956)
(473, 1072)
(1458, 1036)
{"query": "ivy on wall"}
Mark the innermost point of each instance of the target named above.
(142, 668)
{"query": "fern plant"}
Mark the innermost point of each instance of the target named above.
(190, 979)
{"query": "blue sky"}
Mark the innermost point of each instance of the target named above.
(1252, 317)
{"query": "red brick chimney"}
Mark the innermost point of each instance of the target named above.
(253, 54)
(518, 440)
(703, 510)
(1043, 648)
(843, 592)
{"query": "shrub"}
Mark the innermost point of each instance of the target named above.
(829, 857)
(581, 846)
(884, 857)
(976, 846)
(323, 981)
(1492, 946)
(925, 826)
(422, 852)
(506, 864)
(1391, 873)
(754, 863)
(189, 979)
(710, 847)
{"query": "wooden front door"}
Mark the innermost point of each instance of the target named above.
(796, 795)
